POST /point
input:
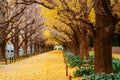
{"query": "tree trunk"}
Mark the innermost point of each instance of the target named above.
(84, 46)
(77, 49)
(41, 49)
(38, 49)
(103, 40)
(16, 46)
(84, 49)
(31, 49)
(103, 55)
(16, 51)
(2, 50)
(25, 46)
(3, 11)
(84, 33)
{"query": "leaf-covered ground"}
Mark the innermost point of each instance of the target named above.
(47, 66)
(115, 55)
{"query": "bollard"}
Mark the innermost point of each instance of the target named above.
(10, 59)
(18, 58)
(6, 61)
(15, 59)
(66, 70)
(70, 77)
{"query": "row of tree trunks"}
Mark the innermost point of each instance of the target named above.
(102, 37)
(42, 48)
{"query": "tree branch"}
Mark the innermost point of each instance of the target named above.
(30, 2)
(107, 11)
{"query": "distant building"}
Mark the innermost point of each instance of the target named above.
(9, 50)
(58, 47)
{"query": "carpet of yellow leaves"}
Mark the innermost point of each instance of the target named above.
(116, 55)
(47, 66)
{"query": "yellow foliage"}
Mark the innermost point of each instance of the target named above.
(115, 55)
(92, 16)
(56, 43)
(46, 33)
(74, 5)
(50, 15)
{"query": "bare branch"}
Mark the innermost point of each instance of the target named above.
(13, 16)
(30, 2)
(115, 2)
(91, 6)
(20, 30)
(108, 12)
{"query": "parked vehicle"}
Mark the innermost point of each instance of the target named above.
(58, 47)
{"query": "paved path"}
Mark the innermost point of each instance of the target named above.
(47, 66)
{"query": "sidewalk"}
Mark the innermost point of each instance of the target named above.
(47, 66)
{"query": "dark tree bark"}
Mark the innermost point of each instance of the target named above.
(16, 46)
(84, 47)
(84, 35)
(25, 43)
(31, 49)
(15, 41)
(103, 39)
(25, 46)
(2, 49)
(103, 54)
(77, 48)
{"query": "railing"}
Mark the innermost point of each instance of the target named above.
(14, 59)
(114, 49)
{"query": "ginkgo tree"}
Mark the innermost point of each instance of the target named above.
(15, 22)
(72, 29)
(101, 30)
(8, 21)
